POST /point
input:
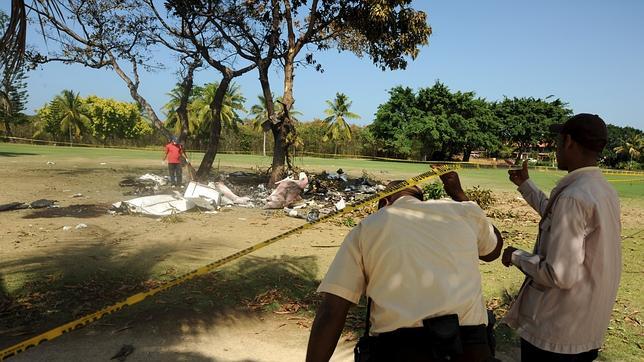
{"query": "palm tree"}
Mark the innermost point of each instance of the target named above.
(338, 113)
(203, 97)
(170, 109)
(633, 147)
(73, 113)
(260, 115)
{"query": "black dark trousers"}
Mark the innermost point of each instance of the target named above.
(531, 353)
(175, 173)
(412, 345)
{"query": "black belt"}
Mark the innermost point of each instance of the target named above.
(469, 335)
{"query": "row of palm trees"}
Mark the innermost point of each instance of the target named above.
(200, 115)
(632, 146)
(75, 120)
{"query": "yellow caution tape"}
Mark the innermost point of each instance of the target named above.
(139, 297)
(630, 180)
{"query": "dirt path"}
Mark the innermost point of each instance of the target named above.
(234, 339)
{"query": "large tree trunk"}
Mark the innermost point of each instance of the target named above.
(285, 126)
(182, 110)
(277, 167)
(466, 154)
(7, 129)
(215, 129)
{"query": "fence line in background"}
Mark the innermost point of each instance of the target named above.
(467, 165)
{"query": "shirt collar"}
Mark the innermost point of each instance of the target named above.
(573, 175)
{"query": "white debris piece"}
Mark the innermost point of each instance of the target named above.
(196, 190)
(66, 228)
(159, 180)
(81, 226)
(77, 195)
(340, 204)
(51, 162)
(158, 205)
(229, 197)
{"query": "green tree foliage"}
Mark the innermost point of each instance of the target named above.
(70, 116)
(435, 124)
(13, 94)
(394, 122)
(526, 120)
(260, 116)
(618, 137)
(633, 146)
(200, 108)
(337, 127)
(200, 115)
(111, 119)
(73, 114)
(170, 109)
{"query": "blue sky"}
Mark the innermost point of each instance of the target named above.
(590, 53)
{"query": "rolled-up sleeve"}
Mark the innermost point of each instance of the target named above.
(345, 277)
(563, 266)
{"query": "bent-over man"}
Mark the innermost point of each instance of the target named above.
(418, 263)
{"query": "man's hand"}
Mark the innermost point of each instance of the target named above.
(519, 176)
(452, 186)
(506, 259)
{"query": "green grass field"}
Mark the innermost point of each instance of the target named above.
(628, 186)
(625, 333)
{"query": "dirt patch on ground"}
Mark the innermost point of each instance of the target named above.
(49, 275)
(255, 309)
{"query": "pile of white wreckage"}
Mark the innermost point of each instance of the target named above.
(208, 197)
(303, 196)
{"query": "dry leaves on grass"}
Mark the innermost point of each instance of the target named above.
(275, 297)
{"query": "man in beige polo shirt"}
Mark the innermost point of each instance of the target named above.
(418, 262)
(564, 306)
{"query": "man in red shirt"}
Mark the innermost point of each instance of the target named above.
(173, 152)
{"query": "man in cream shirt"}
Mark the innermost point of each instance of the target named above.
(564, 306)
(415, 260)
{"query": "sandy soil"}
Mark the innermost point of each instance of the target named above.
(248, 312)
(34, 247)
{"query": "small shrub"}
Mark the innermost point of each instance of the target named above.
(349, 222)
(434, 191)
(481, 196)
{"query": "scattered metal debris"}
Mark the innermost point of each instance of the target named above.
(42, 203)
(13, 206)
(305, 196)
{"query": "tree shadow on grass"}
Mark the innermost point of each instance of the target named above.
(59, 287)
(77, 211)
(17, 154)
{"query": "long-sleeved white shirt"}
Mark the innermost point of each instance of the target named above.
(573, 274)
